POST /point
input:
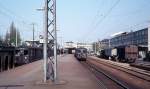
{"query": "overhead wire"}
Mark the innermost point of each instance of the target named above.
(13, 16)
(5, 14)
(95, 18)
(137, 26)
(102, 19)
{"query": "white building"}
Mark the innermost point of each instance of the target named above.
(88, 46)
(78, 45)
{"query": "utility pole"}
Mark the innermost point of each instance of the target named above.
(109, 43)
(95, 47)
(61, 41)
(33, 24)
(50, 33)
(16, 38)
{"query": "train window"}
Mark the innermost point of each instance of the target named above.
(78, 50)
(84, 51)
(25, 52)
(0, 63)
(17, 51)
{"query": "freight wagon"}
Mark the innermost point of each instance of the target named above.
(121, 53)
(105, 53)
(125, 53)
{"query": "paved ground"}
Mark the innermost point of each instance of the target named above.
(75, 75)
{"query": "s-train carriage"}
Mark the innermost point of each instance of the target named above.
(81, 54)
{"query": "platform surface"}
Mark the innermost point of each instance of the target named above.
(71, 71)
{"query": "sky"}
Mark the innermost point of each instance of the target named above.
(77, 20)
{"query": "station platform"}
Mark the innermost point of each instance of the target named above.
(71, 71)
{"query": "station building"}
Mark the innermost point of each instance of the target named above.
(140, 38)
(88, 46)
(71, 46)
(132, 38)
(103, 44)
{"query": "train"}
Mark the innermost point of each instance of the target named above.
(81, 54)
(7, 58)
(11, 57)
(122, 53)
(27, 55)
(147, 56)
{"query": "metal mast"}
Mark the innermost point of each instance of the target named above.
(16, 38)
(33, 24)
(50, 41)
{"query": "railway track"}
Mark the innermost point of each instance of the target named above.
(145, 75)
(117, 78)
(142, 71)
(11, 86)
(105, 81)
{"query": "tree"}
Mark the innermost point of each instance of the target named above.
(7, 38)
(1, 40)
(10, 36)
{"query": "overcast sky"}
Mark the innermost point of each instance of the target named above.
(77, 20)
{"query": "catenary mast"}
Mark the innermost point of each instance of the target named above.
(50, 41)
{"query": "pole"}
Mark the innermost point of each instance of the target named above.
(45, 39)
(109, 43)
(16, 38)
(61, 42)
(50, 24)
(33, 33)
(55, 44)
(95, 47)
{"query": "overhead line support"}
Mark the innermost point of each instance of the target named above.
(50, 41)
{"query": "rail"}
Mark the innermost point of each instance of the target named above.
(97, 72)
(139, 74)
